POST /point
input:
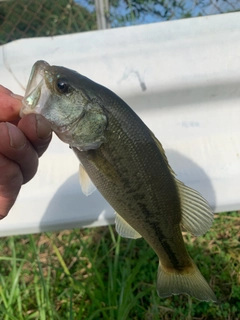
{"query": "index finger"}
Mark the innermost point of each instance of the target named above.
(10, 105)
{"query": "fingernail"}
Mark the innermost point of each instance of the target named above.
(17, 141)
(43, 129)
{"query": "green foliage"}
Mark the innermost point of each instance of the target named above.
(37, 18)
(94, 274)
(138, 10)
(34, 18)
(128, 12)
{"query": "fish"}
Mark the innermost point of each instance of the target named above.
(123, 159)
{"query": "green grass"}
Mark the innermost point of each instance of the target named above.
(94, 274)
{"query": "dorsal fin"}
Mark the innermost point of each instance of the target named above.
(160, 147)
(197, 215)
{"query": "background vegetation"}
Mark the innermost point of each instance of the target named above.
(93, 273)
(37, 18)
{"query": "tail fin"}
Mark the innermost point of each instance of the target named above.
(191, 283)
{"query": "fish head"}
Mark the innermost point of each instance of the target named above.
(68, 101)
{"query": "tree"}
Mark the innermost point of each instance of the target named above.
(36, 18)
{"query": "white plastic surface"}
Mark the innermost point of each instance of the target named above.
(182, 78)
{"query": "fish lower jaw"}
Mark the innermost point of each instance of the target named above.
(26, 110)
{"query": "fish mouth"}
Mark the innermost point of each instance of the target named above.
(36, 92)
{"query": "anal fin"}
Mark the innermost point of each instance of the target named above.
(124, 229)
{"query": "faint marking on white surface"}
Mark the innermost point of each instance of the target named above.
(128, 72)
(189, 124)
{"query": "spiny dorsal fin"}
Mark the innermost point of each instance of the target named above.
(124, 229)
(86, 183)
(160, 147)
(197, 215)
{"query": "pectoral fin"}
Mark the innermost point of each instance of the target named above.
(124, 229)
(197, 215)
(86, 183)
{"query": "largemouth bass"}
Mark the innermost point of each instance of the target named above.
(128, 165)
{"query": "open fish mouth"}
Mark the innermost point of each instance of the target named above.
(36, 92)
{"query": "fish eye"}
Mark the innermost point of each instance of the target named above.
(62, 85)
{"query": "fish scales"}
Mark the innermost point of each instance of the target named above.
(128, 166)
(137, 174)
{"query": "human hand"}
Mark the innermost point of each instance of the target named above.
(22, 142)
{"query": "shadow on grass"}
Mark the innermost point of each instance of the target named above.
(122, 277)
(95, 274)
